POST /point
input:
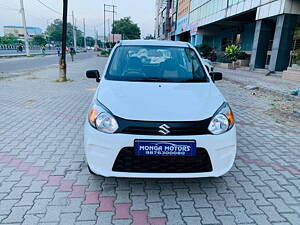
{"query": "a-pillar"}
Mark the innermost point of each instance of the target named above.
(263, 34)
(282, 43)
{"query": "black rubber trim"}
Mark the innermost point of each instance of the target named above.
(127, 161)
(152, 127)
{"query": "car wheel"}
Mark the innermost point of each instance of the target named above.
(91, 171)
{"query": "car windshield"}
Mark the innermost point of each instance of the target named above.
(156, 64)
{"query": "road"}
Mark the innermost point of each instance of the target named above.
(19, 65)
(44, 177)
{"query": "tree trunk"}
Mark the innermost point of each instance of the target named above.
(62, 70)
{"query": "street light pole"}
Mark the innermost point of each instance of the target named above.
(113, 25)
(62, 62)
(84, 36)
(104, 32)
(74, 32)
(25, 28)
(113, 12)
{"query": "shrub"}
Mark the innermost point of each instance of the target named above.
(224, 59)
(232, 52)
(243, 55)
(104, 52)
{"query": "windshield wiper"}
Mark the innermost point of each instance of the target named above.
(192, 80)
(154, 79)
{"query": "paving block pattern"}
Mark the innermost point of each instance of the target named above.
(44, 177)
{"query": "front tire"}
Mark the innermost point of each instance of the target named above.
(91, 171)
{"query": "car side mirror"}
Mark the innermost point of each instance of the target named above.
(216, 76)
(93, 74)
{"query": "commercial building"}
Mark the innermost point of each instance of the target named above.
(18, 31)
(161, 20)
(263, 28)
(166, 19)
(182, 27)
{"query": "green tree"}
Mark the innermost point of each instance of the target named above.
(38, 40)
(90, 41)
(126, 28)
(54, 32)
(9, 39)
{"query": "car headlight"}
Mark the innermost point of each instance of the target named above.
(222, 120)
(102, 119)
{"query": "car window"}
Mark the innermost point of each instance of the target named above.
(155, 63)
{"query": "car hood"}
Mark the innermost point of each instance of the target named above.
(151, 101)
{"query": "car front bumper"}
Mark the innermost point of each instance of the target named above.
(102, 149)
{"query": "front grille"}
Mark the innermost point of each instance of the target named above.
(127, 161)
(152, 127)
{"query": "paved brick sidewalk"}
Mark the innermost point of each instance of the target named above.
(44, 179)
(271, 83)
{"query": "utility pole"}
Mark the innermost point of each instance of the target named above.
(74, 32)
(25, 28)
(62, 61)
(108, 30)
(113, 25)
(84, 36)
(104, 33)
(96, 38)
(113, 12)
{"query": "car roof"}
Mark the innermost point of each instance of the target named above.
(154, 43)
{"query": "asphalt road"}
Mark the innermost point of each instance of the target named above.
(23, 64)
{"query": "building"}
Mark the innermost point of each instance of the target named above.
(166, 19)
(182, 27)
(18, 31)
(173, 18)
(160, 19)
(263, 28)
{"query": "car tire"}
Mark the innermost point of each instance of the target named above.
(91, 171)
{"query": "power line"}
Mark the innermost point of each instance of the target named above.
(2, 6)
(8, 7)
(48, 7)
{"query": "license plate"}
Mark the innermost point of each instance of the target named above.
(164, 148)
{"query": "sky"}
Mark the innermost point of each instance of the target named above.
(141, 12)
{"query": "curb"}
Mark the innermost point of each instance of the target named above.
(24, 55)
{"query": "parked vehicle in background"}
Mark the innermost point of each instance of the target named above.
(208, 65)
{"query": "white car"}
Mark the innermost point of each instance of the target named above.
(158, 118)
(208, 65)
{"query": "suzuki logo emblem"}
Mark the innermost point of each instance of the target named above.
(164, 129)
